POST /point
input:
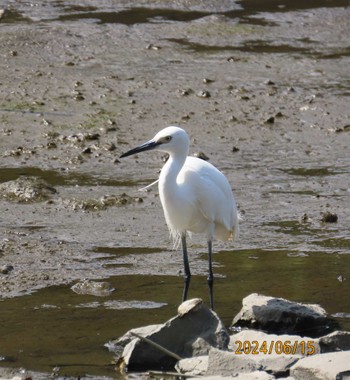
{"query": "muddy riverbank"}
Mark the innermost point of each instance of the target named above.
(262, 90)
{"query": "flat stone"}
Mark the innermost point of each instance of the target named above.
(335, 341)
(280, 316)
(229, 363)
(329, 366)
(225, 363)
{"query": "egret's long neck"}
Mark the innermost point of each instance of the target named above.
(171, 170)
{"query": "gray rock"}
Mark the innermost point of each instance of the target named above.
(229, 363)
(335, 341)
(191, 333)
(329, 366)
(278, 315)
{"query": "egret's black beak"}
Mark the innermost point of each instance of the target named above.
(149, 145)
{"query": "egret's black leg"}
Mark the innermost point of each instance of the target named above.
(187, 274)
(210, 277)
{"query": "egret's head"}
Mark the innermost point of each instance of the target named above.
(171, 140)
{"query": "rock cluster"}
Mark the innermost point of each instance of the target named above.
(297, 343)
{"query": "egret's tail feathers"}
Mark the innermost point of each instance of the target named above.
(148, 186)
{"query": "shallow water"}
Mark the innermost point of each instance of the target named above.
(78, 326)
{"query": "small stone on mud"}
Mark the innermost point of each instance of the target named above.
(270, 120)
(110, 147)
(46, 122)
(305, 218)
(346, 128)
(152, 47)
(329, 217)
(6, 269)
(204, 94)
(87, 150)
(201, 155)
(79, 96)
(51, 145)
(233, 59)
(186, 92)
(165, 157)
(91, 136)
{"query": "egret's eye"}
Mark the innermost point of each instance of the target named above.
(167, 138)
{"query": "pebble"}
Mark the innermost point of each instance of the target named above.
(233, 59)
(329, 217)
(87, 150)
(185, 92)
(6, 269)
(305, 218)
(204, 94)
(201, 155)
(270, 120)
(152, 47)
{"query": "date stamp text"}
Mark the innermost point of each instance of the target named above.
(278, 347)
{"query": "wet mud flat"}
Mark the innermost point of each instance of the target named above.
(262, 90)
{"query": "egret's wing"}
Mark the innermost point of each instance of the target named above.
(213, 194)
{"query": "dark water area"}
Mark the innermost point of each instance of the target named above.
(69, 11)
(79, 326)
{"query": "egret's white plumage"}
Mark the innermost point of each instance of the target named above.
(196, 197)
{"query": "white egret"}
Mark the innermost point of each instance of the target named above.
(196, 197)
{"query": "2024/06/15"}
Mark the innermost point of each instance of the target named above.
(279, 347)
